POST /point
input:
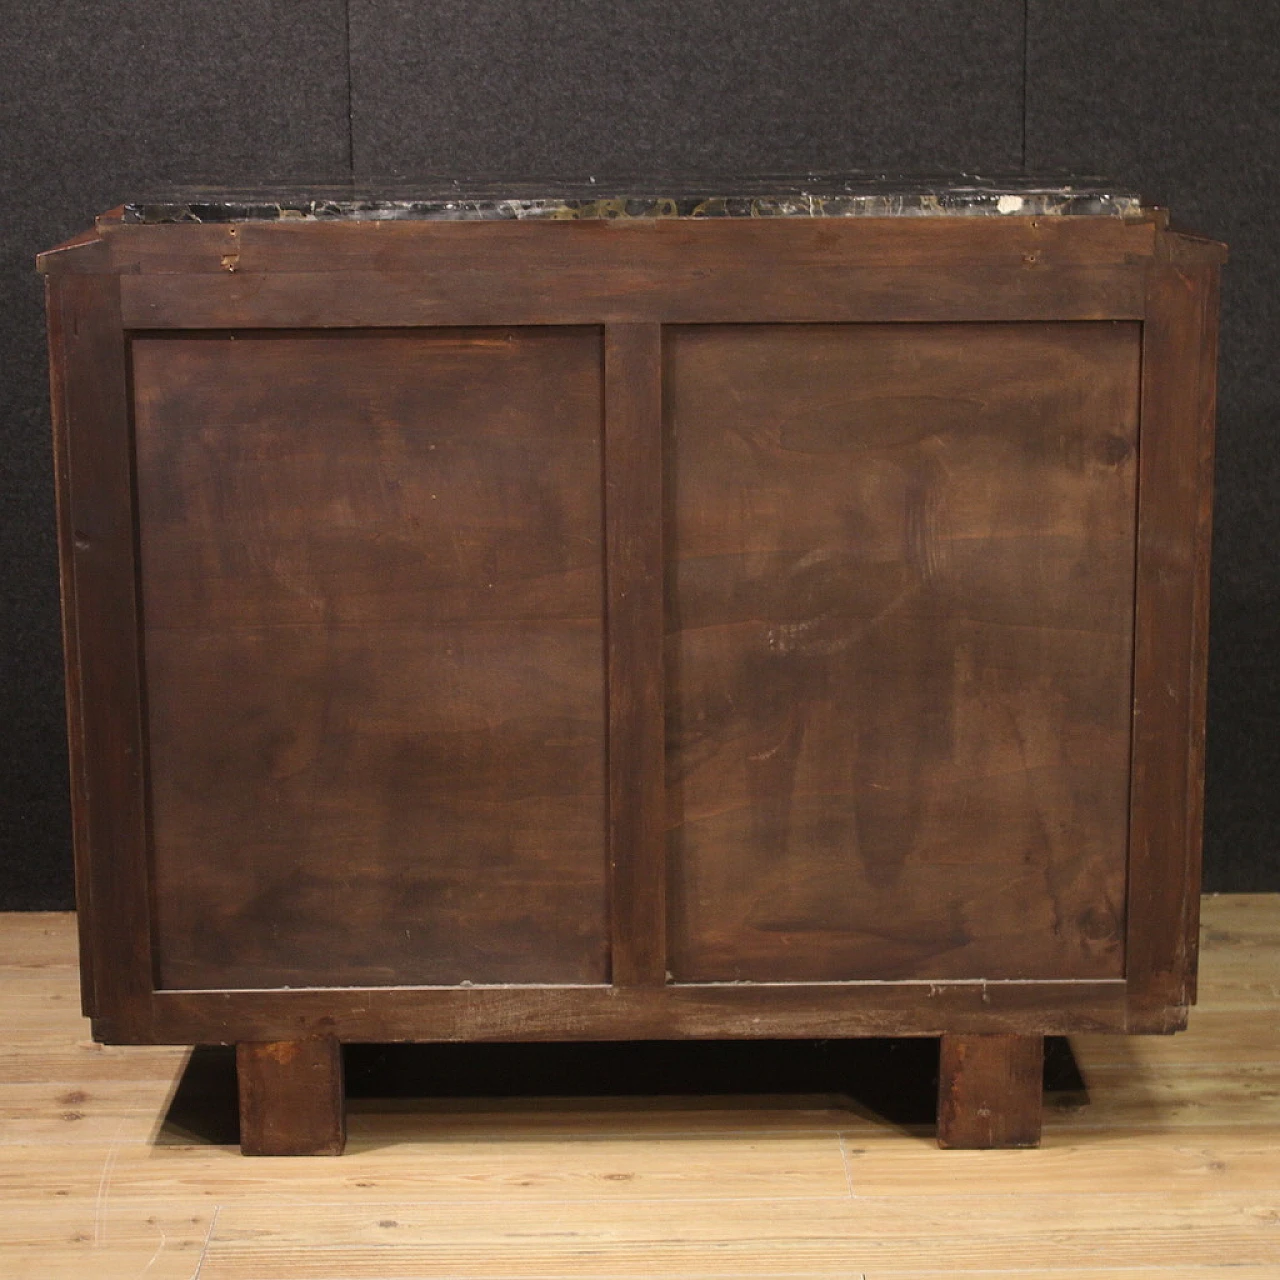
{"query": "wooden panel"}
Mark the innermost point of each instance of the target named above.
(899, 606)
(633, 524)
(711, 1011)
(372, 578)
(651, 245)
(621, 290)
(1176, 493)
(962, 1232)
(91, 430)
(54, 294)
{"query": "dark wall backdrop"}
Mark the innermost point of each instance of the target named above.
(103, 98)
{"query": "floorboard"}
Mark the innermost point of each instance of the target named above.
(1161, 1160)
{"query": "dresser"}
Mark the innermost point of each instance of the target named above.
(578, 613)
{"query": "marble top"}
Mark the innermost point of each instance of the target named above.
(790, 196)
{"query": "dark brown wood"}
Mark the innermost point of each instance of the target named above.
(1175, 496)
(1198, 700)
(633, 537)
(291, 1098)
(467, 624)
(96, 523)
(371, 567)
(899, 600)
(86, 253)
(990, 1091)
(650, 246)
(616, 291)
(70, 646)
(1186, 248)
(715, 1010)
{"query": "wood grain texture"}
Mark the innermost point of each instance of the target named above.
(558, 1187)
(631, 271)
(899, 610)
(104, 686)
(291, 1098)
(837, 1239)
(372, 568)
(1171, 644)
(1209, 1271)
(397, 594)
(616, 291)
(70, 640)
(576, 245)
(633, 540)
(475, 1155)
(711, 1011)
(990, 1091)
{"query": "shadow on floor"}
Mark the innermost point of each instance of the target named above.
(893, 1080)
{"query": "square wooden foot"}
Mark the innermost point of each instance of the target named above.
(990, 1091)
(291, 1098)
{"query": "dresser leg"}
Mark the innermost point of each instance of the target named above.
(990, 1091)
(291, 1098)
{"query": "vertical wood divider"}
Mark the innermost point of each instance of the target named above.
(71, 644)
(634, 651)
(89, 359)
(1175, 490)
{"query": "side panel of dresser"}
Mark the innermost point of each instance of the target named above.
(97, 540)
(1175, 500)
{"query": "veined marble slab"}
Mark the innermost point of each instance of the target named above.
(792, 196)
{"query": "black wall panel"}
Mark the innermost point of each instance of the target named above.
(581, 87)
(101, 98)
(1183, 99)
(96, 101)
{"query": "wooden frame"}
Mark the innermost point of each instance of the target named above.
(104, 673)
(630, 278)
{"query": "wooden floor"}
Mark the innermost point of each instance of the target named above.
(1170, 1169)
